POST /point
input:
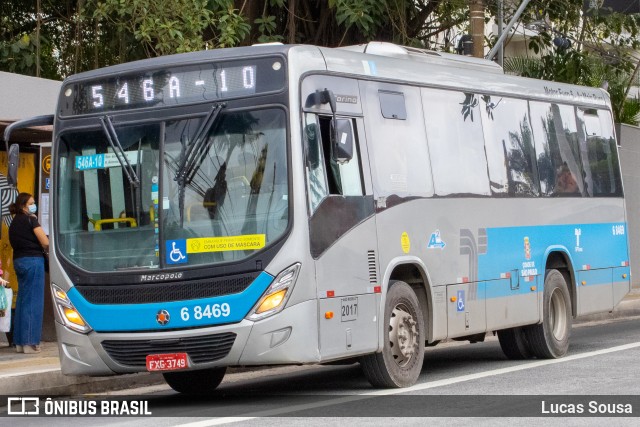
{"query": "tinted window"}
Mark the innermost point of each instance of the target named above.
(602, 173)
(325, 176)
(509, 143)
(456, 146)
(556, 141)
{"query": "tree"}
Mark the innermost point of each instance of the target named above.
(592, 47)
(79, 35)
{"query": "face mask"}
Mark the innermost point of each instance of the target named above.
(33, 208)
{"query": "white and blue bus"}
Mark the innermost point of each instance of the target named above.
(278, 204)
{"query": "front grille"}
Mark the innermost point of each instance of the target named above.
(166, 292)
(201, 349)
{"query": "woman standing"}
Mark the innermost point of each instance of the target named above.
(28, 240)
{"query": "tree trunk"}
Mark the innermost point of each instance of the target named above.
(476, 18)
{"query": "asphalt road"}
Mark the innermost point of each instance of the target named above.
(459, 383)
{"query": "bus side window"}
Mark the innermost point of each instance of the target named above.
(316, 178)
(324, 175)
(509, 144)
(456, 143)
(556, 140)
(343, 179)
(599, 153)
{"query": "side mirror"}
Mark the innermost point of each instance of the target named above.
(14, 161)
(342, 140)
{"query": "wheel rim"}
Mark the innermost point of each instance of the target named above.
(403, 335)
(557, 314)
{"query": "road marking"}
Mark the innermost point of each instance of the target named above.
(417, 387)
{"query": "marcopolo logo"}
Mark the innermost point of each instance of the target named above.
(158, 277)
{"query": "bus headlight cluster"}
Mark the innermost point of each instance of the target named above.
(67, 312)
(276, 295)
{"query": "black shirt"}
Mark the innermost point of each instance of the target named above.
(22, 238)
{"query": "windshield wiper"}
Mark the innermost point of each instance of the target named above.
(195, 154)
(110, 132)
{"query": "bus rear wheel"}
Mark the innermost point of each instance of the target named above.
(400, 362)
(550, 340)
(514, 343)
(203, 381)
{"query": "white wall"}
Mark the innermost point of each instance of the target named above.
(629, 137)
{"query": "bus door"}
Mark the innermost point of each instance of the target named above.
(342, 226)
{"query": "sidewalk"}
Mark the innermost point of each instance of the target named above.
(39, 374)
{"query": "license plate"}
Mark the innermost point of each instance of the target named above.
(349, 309)
(167, 362)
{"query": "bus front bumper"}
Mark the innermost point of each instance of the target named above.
(289, 337)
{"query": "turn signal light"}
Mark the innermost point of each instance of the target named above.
(73, 316)
(272, 301)
(67, 313)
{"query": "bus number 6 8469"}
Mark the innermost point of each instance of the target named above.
(209, 311)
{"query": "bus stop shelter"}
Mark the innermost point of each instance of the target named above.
(22, 97)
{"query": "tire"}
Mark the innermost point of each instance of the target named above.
(514, 343)
(200, 382)
(400, 362)
(550, 340)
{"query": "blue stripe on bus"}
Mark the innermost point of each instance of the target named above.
(523, 251)
(182, 314)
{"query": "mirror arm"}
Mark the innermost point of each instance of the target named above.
(329, 97)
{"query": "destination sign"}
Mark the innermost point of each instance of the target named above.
(174, 86)
(106, 160)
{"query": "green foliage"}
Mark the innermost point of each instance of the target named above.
(365, 15)
(267, 26)
(172, 26)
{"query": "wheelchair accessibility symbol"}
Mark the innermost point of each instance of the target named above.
(460, 301)
(176, 251)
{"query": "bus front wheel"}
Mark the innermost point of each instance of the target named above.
(400, 362)
(550, 339)
(199, 382)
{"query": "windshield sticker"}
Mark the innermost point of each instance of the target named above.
(176, 251)
(222, 244)
(405, 242)
(435, 241)
(106, 160)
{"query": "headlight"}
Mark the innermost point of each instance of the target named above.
(68, 313)
(275, 297)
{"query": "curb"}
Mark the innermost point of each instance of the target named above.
(51, 382)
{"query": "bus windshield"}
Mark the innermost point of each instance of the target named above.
(132, 208)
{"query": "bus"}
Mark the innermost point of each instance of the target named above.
(294, 204)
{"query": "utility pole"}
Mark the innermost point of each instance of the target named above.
(476, 18)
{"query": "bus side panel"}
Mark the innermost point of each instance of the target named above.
(346, 283)
(621, 283)
(466, 310)
(515, 308)
(595, 291)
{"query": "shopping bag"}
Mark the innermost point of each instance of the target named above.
(5, 321)
(3, 300)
